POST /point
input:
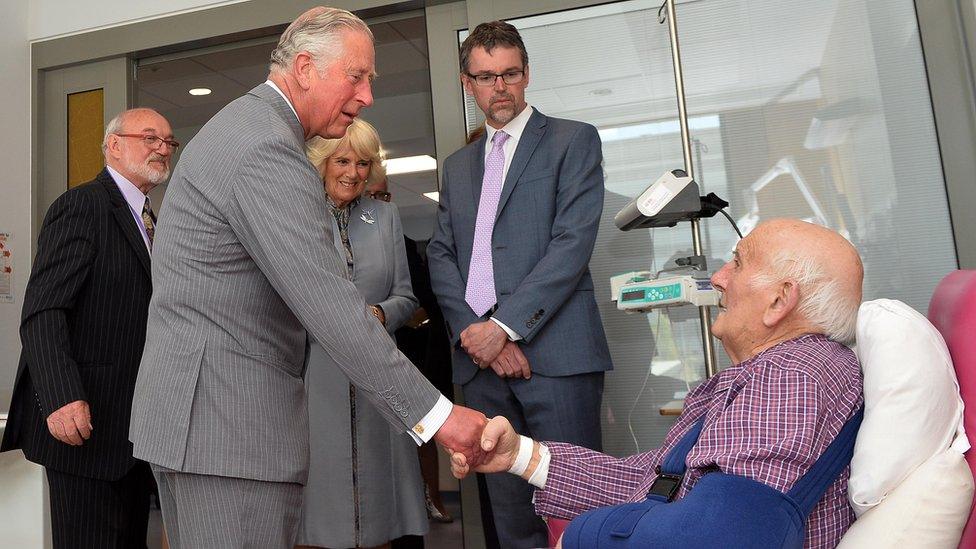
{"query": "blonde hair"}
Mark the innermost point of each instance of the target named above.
(319, 32)
(362, 138)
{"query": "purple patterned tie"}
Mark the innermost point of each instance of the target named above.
(480, 292)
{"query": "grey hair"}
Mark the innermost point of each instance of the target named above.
(318, 31)
(115, 125)
(823, 301)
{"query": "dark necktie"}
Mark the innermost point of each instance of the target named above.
(149, 220)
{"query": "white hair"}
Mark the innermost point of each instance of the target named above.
(115, 125)
(823, 301)
(319, 32)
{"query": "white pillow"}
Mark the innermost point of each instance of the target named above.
(912, 407)
(926, 511)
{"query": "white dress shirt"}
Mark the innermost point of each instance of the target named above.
(136, 201)
(514, 129)
(435, 418)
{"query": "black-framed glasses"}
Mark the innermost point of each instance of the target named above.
(489, 78)
(152, 141)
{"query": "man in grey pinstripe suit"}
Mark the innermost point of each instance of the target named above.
(244, 265)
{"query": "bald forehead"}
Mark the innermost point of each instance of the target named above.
(144, 120)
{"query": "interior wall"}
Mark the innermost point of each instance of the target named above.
(22, 23)
(51, 18)
(15, 182)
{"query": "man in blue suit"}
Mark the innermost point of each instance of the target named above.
(518, 216)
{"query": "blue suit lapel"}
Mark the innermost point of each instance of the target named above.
(477, 163)
(534, 130)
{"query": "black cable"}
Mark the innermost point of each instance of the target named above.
(734, 226)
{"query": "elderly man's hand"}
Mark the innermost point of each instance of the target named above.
(500, 443)
(511, 362)
(71, 423)
(461, 433)
(483, 341)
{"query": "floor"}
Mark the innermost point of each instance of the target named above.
(447, 536)
(441, 536)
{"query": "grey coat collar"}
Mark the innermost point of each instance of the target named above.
(281, 108)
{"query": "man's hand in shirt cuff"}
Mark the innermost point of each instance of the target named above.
(432, 422)
(506, 451)
(461, 433)
(512, 336)
(483, 341)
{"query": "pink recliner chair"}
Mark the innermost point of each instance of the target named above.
(953, 312)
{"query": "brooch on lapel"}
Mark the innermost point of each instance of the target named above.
(367, 217)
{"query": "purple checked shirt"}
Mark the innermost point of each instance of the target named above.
(767, 418)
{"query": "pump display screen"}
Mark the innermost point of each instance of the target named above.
(633, 295)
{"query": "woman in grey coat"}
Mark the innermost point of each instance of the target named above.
(364, 485)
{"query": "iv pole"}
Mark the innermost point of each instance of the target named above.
(704, 314)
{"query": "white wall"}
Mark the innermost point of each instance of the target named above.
(15, 178)
(50, 18)
(22, 515)
(21, 23)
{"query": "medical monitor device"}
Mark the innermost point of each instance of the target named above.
(640, 292)
(670, 199)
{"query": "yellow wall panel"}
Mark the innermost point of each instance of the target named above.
(86, 115)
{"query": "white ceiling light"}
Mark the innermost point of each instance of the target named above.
(410, 164)
(200, 91)
(433, 195)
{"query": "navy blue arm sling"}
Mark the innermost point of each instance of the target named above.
(721, 510)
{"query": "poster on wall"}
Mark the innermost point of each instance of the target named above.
(6, 270)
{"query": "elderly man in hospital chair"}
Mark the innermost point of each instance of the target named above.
(748, 436)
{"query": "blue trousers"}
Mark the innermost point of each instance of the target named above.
(561, 409)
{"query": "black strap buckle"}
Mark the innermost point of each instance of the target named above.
(666, 486)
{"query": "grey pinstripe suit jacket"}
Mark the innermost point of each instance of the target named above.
(243, 264)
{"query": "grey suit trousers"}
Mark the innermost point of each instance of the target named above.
(211, 512)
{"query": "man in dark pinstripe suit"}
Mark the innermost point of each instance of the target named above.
(83, 328)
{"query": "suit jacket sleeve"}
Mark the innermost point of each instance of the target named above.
(65, 254)
(276, 212)
(579, 204)
(445, 272)
(400, 305)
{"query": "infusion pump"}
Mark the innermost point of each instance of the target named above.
(639, 291)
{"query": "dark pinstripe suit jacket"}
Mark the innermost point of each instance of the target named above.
(83, 327)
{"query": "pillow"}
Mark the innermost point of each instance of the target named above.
(926, 511)
(912, 408)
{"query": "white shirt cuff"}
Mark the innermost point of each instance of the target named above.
(512, 336)
(541, 473)
(435, 418)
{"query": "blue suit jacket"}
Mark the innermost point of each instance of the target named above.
(545, 227)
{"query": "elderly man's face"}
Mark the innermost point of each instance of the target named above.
(143, 163)
(344, 88)
(739, 323)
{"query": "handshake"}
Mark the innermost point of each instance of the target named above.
(475, 443)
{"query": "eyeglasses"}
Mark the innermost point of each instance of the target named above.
(379, 195)
(151, 141)
(489, 78)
